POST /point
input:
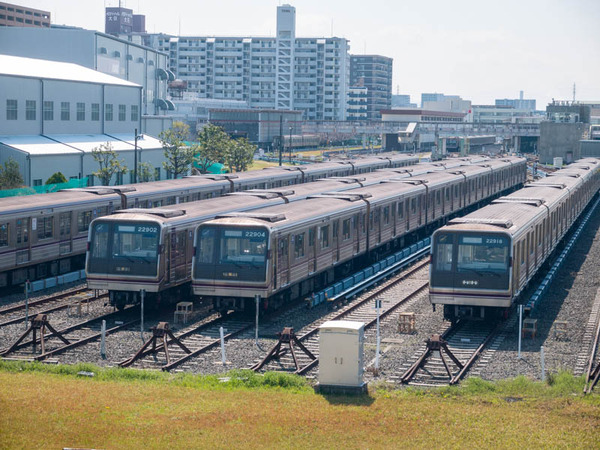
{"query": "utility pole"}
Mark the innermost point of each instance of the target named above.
(280, 138)
(135, 161)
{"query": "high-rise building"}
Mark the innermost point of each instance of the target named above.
(375, 73)
(282, 72)
(21, 16)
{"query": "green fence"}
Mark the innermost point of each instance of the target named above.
(75, 183)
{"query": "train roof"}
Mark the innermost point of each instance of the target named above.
(512, 213)
(61, 199)
(327, 205)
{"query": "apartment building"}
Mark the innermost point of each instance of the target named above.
(282, 72)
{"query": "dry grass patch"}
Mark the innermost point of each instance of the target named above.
(54, 411)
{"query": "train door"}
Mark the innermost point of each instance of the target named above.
(64, 227)
(169, 270)
(283, 263)
(24, 229)
(312, 251)
(335, 241)
(356, 231)
(179, 257)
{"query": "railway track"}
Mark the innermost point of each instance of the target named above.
(447, 357)
(589, 358)
(414, 282)
(67, 338)
(197, 339)
(18, 313)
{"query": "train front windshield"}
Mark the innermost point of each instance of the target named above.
(124, 249)
(227, 253)
(471, 261)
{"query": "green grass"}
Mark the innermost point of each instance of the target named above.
(46, 406)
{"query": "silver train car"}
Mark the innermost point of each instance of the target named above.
(481, 262)
(44, 235)
(288, 251)
(151, 249)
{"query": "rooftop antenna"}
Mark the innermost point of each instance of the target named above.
(365, 42)
(179, 34)
(574, 91)
(397, 89)
(331, 27)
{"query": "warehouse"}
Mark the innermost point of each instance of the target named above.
(53, 114)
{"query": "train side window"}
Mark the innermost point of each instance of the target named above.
(83, 220)
(45, 226)
(336, 226)
(523, 251)
(4, 234)
(324, 236)
(531, 243)
(413, 205)
(311, 237)
(299, 246)
(346, 229)
(438, 197)
(448, 194)
(401, 210)
(22, 231)
(386, 215)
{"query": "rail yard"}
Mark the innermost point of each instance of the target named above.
(563, 329)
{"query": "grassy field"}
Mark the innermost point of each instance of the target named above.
(52, 407)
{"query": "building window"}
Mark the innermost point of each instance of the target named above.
(134, 113)
(122, 113)
(37, 182)
(65, 111)
(80, 111)
(48, 110)
(157, 174)
(4, 235)
(95, 112)
(30, 109)
(11, 110)
(45, 227)
(108, 112)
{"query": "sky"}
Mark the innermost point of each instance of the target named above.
(478, 49)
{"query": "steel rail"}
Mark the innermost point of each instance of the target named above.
(41, 301)
(361, 303)
(46, 311)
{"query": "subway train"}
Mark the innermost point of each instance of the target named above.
(481, 262)
(288, 251)
(45, 234)
(151, 249)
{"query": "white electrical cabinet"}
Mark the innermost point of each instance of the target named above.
(341, 353)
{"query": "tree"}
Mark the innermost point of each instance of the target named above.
(109, 163)
(145, 172)
(178, 154)
(240, 155)
(213, 145)
(56, 178)
(10, 175)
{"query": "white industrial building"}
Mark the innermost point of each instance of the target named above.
(281, 72)
(52, 115)
(120, 58)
